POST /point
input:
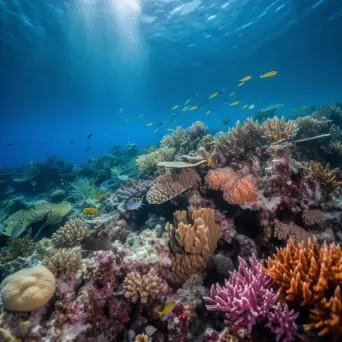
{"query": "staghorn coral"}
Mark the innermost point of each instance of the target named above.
(332, 111)
(237, 188)
(336, 146)
(134, 188)
(239, 143)
(170, 185)
(147, 163)
(303, 274)
(324, 175)
(276, 129)
(142, 287)
(335, 132)
(327, 316)
(313, 217)
(285, 231)
(64, 261)
(70, 234)
(309, 126)
(196, 130)
(173, 140)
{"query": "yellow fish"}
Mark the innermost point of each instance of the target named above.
(141, 115)
(185, 109)
(156, 130)
(215, 94)
(193, 108)
(121, 110)
(207, 113)
(234, 103)
(199, 124)
(130, 147)
(210, 143)
(175, 107)
(168, 307)
(247, 78)
(301, 108)
(232, 94)
(269, 74)
(182, 142)
(169, 129)
(241, 84)
(149, 124)
(186, 102)
(210, 161)
(245, 106)
(198, 138)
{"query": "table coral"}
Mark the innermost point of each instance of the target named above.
(70, 234)
(142, 287)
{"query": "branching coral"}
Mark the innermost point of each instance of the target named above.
(64, 261)
(170, 185)
(70, 234)
(336, 146)
(332, 111)
(193, 238)
(240, 142)
(309, 126)
(134, 188)
(196, 130)
(142, 287)
(173, 140)
(147, 163)
(276, 129)
(324, 175)
(237, 188)
(247, 298)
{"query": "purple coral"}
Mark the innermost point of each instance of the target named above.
(247, 298)
(134, 188)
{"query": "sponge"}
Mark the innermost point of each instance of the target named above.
(28, 289)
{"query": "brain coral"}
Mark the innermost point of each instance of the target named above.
(28, 289)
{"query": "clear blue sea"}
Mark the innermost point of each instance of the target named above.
(67, 67)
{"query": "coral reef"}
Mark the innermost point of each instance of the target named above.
(276, 129)
(64, 261)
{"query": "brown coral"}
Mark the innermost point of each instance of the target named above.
(324, 175)
(284, 231)
(70, 234)
(170, 185)
(313, 217)
(327, 316)
(305, 273)
(276, 129)
(142, 287)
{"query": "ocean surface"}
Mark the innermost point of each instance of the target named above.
(69, 69)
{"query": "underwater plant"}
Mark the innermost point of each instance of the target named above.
(82, 189)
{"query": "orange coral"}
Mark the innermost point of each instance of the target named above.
(327, 316)
(237, 188)
(90, 211)
(306, 275)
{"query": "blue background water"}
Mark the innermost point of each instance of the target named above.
(67, 67)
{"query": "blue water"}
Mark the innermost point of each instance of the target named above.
(67, 67)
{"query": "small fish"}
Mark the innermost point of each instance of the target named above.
(169, 129)
(193, 108)
(121, 110)
(208, 112)
(10, 144)
(126, 121)
(210, 143)
(175, 107)
(241, 84)
(71, 141)
(156, 130)
(210, 161)
(140, 116)
(130, 147)
(197, 139)
(185, 109)
(173, 115)
(33, 183)
(232, 94)
(187, 101)
(182, 142)
(234, 103)
(245, 106)
(89, 136)
(247, 78)
(18, 229)
(134, 203)
(160, 123)
(250, 107)
(215, 94)
(300, 108)
(269, 74)
(199, 124)
(149, 124)
(168, 307)
(87, 149)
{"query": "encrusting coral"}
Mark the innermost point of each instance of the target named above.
(275, 129)
(70, 234)
(142, 287)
